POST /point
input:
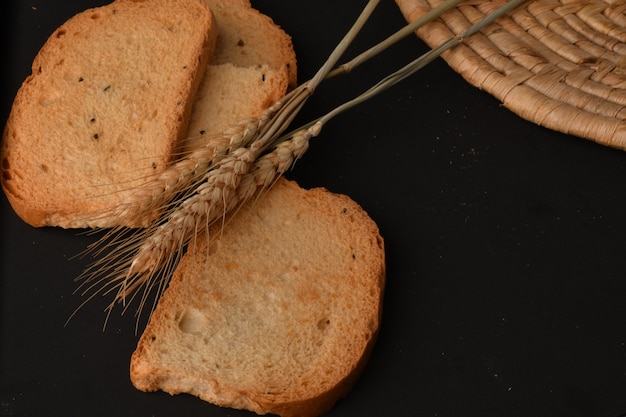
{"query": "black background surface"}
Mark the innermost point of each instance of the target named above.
(505, 249)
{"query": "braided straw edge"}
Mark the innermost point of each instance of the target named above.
(543, 61)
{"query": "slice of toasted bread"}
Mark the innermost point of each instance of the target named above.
(278, 315)
(105, 107)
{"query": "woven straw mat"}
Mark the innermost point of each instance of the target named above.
(560, 64)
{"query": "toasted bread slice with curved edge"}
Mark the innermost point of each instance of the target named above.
(278, 314)
(105, 108)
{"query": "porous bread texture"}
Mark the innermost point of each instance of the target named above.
(105, 107)
(279, 314)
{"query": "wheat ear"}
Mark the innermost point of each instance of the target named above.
(148, 256)
(219, 194)
(162, 245)
(241, 173)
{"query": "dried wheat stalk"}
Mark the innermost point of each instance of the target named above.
(209, 183)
